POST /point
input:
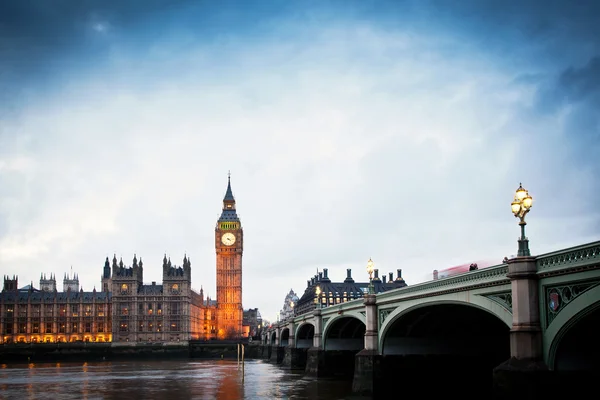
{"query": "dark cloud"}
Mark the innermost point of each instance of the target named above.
(580, 84)
(58, 23)
(549, 23)
(40, 40)
(578, 88)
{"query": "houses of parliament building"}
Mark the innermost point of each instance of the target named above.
(126, 309)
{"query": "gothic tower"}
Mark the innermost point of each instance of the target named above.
(229, 245)
(48, 285)
(106, 277)
(126, 283)
(177, 285)
(71, 283)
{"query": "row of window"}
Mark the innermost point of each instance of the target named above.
(335, 300)
(126, 288)
(22, 339)
(74, 310)
(149, 308)
(173, 326)
(47, 327)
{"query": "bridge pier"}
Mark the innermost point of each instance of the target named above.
(272, 353)
(327, 363)
(263, 351)
(367, 368)
(525, 372)
(315, 362)
(367, 361)
(279, 354)
(292, 334)
(315, 356)
(294, 358)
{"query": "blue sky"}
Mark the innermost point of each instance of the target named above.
(397, 130)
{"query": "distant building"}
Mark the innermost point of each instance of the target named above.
(332, 293)
(127, 309)
(291, 300)
(253, 322)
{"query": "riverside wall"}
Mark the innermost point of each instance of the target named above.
(61, 352)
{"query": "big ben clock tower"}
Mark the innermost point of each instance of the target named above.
(229, 245)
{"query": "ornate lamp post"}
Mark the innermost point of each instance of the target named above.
(318, 293)
(292, 309)
(370, 265)
(520, 207)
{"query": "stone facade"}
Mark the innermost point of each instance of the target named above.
(167, 312)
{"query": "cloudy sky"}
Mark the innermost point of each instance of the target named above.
(397, 130)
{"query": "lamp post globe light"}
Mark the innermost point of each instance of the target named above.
(318, 293)
(520, 207)
(370, 267)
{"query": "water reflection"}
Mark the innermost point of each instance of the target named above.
(203, 379)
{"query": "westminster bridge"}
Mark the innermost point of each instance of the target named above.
(523, 326)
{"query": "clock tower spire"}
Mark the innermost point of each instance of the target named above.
(229, 248)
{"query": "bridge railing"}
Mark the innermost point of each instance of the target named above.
(578, 256)
(495, 274)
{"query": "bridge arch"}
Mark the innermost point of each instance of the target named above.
(285, 337)
(304, 335)
(273, 338)
(446, 339)
(570, 341)
(472, 308)
(477, 301)
(344, 332)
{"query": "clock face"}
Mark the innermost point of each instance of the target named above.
(228, 239)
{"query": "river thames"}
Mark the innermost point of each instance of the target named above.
(176, 379)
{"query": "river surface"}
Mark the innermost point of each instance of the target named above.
(181, 379)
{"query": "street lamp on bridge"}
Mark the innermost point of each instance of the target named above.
(520, 207)
(318, 293)
(370, 264)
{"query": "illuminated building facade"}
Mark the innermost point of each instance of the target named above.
(29, 315)
(128, 311)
